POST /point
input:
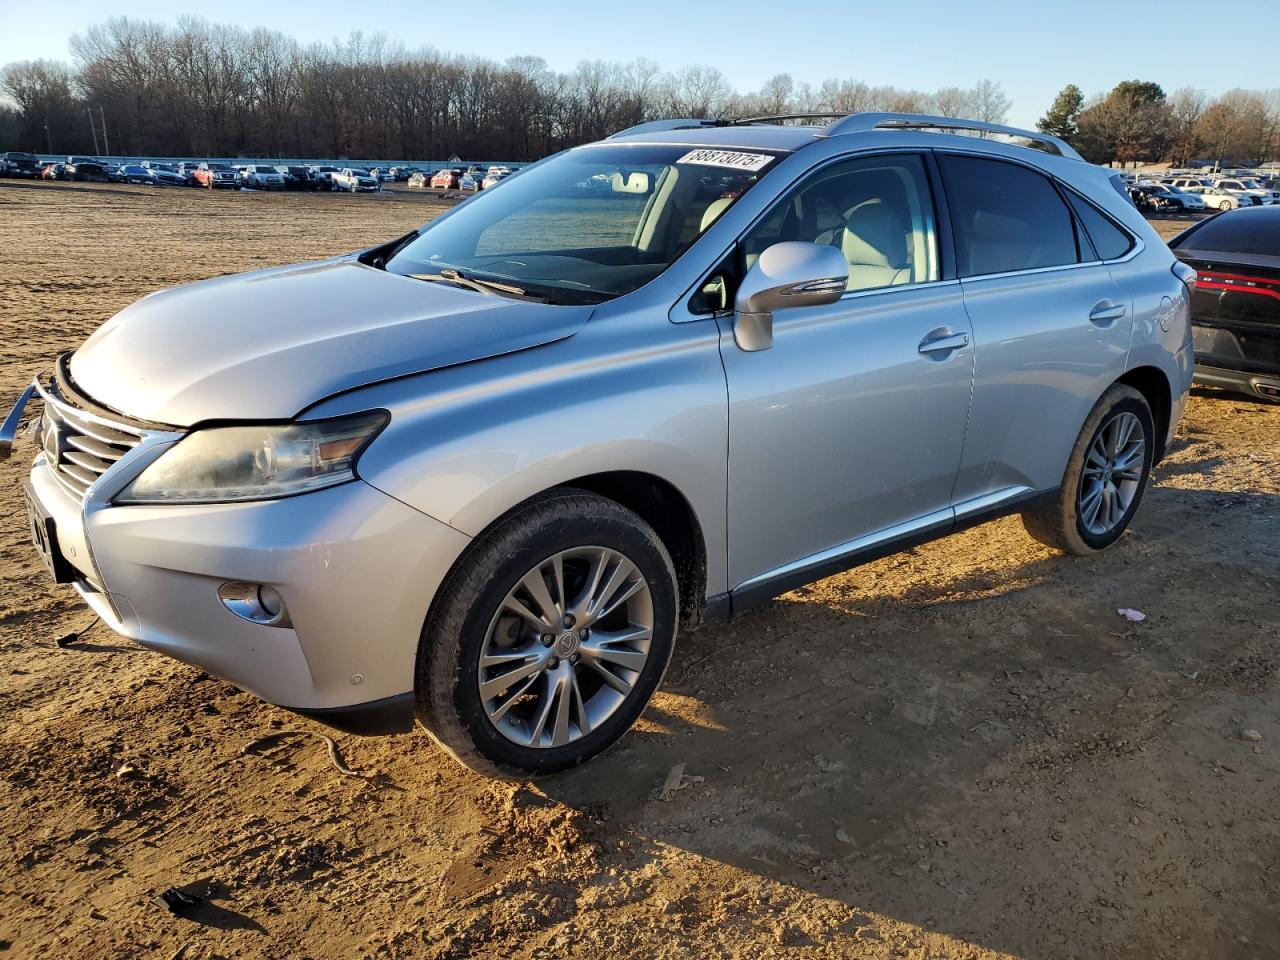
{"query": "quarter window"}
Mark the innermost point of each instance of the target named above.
(1005, 217)
(877, 211)
(1108, 240)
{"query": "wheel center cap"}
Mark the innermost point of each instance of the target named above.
(566, 643)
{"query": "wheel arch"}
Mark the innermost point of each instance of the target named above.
(1156, 389)
(660, 504)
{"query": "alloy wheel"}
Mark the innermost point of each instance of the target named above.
(565, 647)
(1113, 473)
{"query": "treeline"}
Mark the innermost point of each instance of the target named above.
(1138, 121)
(202, 89)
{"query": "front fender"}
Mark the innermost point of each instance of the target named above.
(468, 443)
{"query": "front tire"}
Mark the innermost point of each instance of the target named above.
(1224, 206)
(548, 639)
(1106, 476)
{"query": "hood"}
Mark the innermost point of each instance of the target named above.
(264, 346)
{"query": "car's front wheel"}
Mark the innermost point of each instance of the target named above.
(1106, 476)
(549, 638)
(1224, 205)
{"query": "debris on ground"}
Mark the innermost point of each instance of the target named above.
(1132, 615)
(676, 780)
(335, 755)
(177, 901)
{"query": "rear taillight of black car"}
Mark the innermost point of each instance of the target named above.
(1239, 283)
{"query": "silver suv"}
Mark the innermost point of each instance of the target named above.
(480, 475)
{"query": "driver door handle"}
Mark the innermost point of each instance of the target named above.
(943, 344)
(1105, 313)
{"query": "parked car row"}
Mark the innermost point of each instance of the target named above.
(470, 180)
(1183, 193)
(215, 174)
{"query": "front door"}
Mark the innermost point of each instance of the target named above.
(850, 428)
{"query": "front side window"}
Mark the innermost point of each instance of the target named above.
(877, 211)
(1005, 217)
(590, 224)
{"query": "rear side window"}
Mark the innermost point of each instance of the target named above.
(1256, 231)
(1005, 217)
(1108, 240)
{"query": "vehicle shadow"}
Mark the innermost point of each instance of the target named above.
(968, 753)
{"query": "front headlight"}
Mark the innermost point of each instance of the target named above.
(226, 464)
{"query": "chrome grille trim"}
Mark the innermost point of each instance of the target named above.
(78, 445)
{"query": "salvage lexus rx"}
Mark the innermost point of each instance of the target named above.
(480, 475)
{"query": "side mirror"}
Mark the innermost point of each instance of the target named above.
(789, 274)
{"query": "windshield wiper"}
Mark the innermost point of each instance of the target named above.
(488, 287)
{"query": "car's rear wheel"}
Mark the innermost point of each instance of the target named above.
(549, 638)
(1106, 476)
(1224, 205)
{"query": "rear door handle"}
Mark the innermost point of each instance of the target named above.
(943, 344)
(1105, 313)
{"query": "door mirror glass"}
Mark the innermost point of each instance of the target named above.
(787, 274)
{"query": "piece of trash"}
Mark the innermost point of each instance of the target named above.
(335, 755)
(124, 770)
(177, 902)
(1133, 616)
(676, 780)
(1252, 736)
(845, 838)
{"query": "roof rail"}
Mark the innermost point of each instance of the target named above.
(779, 117)
(862, 122)
(657, 126)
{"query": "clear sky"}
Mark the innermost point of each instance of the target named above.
(1031, 48)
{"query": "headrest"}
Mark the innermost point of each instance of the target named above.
(874, 235)
(713, 211)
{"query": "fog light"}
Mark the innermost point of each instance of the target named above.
(255, 602)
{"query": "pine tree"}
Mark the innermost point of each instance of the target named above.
(1061, 118)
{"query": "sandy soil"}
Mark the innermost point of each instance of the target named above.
(957, 752)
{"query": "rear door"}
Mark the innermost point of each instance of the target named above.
(1051, 328)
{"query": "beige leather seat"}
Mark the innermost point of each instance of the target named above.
(874, 243)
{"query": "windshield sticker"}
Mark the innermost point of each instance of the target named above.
(726, 158)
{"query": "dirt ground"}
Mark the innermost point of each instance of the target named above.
(961, 752)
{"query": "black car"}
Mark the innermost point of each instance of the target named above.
(299, 178)
(15, 164)
(1151, 199)
(1235, 310)
(88, 170)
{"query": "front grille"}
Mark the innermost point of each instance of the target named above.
(78, 445)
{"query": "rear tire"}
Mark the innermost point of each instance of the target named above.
(1106, 476)
(541, 690)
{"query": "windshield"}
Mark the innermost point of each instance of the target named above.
(590, 224)
(1251, 184)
